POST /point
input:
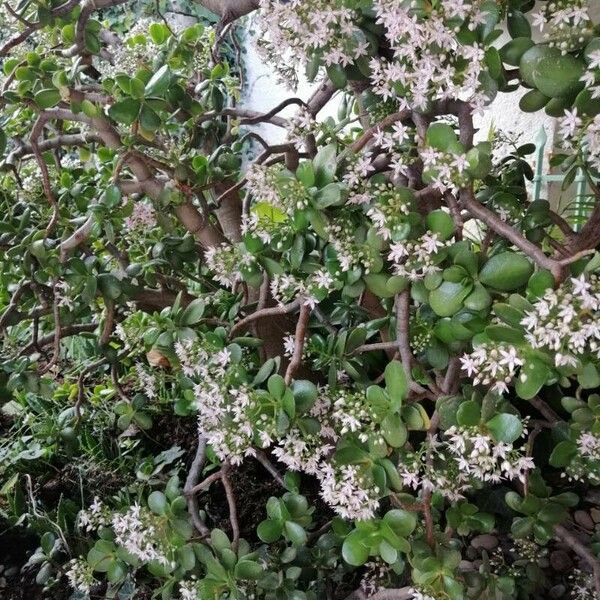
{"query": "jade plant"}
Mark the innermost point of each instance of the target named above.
(360, 362)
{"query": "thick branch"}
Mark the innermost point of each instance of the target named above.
(230, 10)
(190, 483)
(493, 221)
(233, 518)
(366, 137)
(403, 337)
(389, 594)
(65, 332)
(582, 551)
(300, 335)
(263, 314)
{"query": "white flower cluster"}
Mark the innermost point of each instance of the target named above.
(132, 54)
(226, 413)
(375, 577)
(138, 531)
(418, 472)
(585, 465)
(190, 590)
(226, 416)
(143, 217)
(585, 135)
(582, 586)
(80, 575)
(197, 362)
(447, 170)
(464, 458)
(358, 168)
(300, 126)
(492, 365)
(391, 204)
(98, 515)
(396, 143)
(63, 294)
(481, 458)
(147, 381)
(352, 253)
(590, 77)
(429, 62)
(301, 28)
(225, 262)
(262, 184)
(302, 452)
(566, 321)
(576, 130)
(588, 446)
(565, 23)
(352, 413)
(312, 289)
(346, 489)
(416, 258)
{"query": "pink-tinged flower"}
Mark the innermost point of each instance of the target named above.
(142, 217)
(469, 365)
(539, 20)
(569, 123)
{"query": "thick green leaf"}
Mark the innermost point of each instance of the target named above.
(439, 221)
(441, 136)
(377, 283)
(559, 75)
(159, 82)
(468, 414)
(193, 312)
(157, 502)
(396, 383)
(325, 165)
(276, 386)
(47, 98)
(401, 522)
(589, 378)
(149, 119)
(126, 111)
(531, 379)
(330, 195)
(248, 569)
(305, 394)
(563, 453)
(354, 550)
(269, 531)
(505, 427)
(219, 539)
(518, 25)
(394, 431)
(448, 299)
(295, 533)
(506, 271)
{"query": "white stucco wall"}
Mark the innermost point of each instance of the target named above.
(264, 92)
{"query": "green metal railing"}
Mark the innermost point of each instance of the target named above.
(540, 178)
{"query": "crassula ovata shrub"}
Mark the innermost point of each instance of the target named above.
(363, 362)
